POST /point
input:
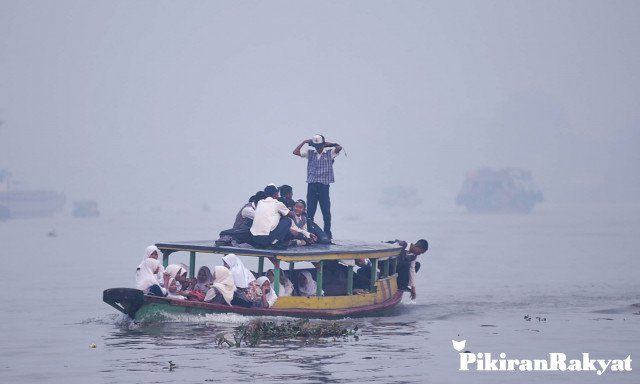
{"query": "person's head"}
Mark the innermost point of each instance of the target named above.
(204, 274)
(173, 286)
(302, 279)
(260, 195)
(270, 275)
(419, 247)
(230, 260)
(271, 191)
(152, 251)
(361, 262)
(264, 283)
(286, 191)
(299, 207)
(182, 275)
(318, 142)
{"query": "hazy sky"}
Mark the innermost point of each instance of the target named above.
(158, 103)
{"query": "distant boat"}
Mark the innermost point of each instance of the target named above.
(17, 203)
(85, 208)
(508, 190)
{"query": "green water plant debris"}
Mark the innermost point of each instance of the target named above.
(255, 331)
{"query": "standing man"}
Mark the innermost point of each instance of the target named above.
(319, 176)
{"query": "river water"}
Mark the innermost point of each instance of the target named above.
(572, 270)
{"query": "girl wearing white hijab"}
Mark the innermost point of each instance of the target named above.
(203, 280)
(154, 252)
(242, 276)
(222, 288)
(172, 289)
(146, 277)
(177, 272)
(286, 286)
(268, 296)
(306, 285)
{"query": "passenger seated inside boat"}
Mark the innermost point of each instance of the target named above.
(286, 286)
(242, 276)
(335, 278)
(362, 276)
(172, 290)
(147, 278)
(306, 285)
(179, 273)
(154, 253)
(203, 280)
(222, 287)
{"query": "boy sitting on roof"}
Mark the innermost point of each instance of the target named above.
(272, 221)
(286, 196)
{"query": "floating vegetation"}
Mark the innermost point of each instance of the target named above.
(528, 318)
(254, 332)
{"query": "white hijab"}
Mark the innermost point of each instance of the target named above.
(147, 253)
(242, 276)
(271, 296)
(223, 283)
(145, 275)
(175, 270)
(309, 289)
(202, 286)
(174, 295)
(285, 289)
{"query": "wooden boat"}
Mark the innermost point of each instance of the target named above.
(382, 294)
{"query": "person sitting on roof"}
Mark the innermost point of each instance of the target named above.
(286, 196)
(244, 217)
(299, 230)
(242, 276)
(272, 222)
(173, 292)
(147, 278)
(222, 288)
(306, 285)
(286, 287)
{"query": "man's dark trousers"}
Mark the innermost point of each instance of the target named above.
(319, 193)
(279, 234)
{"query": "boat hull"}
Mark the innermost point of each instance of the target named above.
(385, 297)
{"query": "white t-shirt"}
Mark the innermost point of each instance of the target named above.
(267, 216)
(332, 150)
(248, 212)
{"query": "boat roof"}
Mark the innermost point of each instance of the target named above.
(342, 250)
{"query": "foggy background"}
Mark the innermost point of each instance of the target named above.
(147, 105)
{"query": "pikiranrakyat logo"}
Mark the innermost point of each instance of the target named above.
(555, 361)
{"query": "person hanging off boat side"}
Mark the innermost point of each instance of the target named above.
(407, 265)
(319, 176)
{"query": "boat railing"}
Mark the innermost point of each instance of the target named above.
(388, 258)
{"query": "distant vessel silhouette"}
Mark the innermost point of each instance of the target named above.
(508, 190)
(18, 203)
